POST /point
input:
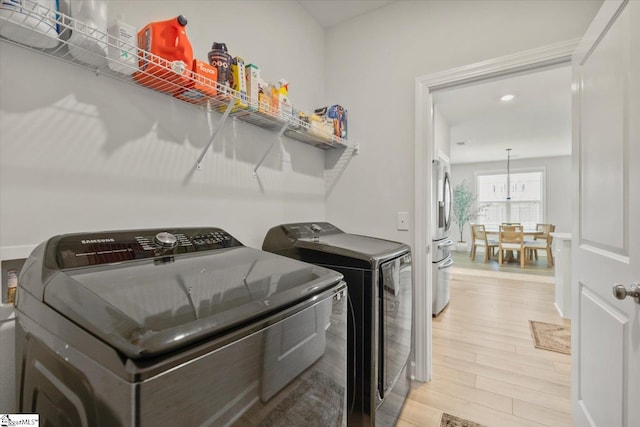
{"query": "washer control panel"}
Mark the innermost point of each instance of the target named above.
(91, 249)
(306, 230)
(165, 240)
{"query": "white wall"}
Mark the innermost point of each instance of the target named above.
(82, 152)
(557, 185)
(441, 134)
(372, 62)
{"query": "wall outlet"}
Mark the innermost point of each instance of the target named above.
(403, 221)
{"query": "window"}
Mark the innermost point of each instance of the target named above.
(526, 203)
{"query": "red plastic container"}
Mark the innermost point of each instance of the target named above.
(166, 55)
(203, 86)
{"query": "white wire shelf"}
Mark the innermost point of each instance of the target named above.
(33, 26)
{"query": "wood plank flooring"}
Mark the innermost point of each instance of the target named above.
(535, 267)
(485, 367)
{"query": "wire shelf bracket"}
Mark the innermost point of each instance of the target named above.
(275, 141)
(227, 111)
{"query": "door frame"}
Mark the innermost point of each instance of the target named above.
(521, 62)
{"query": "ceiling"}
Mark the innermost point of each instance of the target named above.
(332, 12)
(536, 123)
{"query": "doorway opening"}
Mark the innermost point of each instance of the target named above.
(486, 341)
(425, 149)
(509, 144)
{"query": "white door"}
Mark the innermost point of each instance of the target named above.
(606, 234)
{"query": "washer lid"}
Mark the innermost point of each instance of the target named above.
(324, 243)
(369, 250)
(145, 307)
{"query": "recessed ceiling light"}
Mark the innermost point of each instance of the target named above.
(507, 98)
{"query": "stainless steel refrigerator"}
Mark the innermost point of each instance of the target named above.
(441, 257)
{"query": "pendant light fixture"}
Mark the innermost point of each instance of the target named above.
(508, 174)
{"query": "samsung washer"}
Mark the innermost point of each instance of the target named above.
(184, 327)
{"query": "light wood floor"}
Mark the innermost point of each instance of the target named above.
(533, 267)
(485, 367)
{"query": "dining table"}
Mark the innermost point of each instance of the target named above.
(527, 232)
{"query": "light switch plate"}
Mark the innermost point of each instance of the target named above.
(403, 221)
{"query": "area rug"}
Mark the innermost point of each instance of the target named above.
(548, 336)
(449, 420)
(317, 402)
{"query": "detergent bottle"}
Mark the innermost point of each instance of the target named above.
(219, 57)
(88, 41)
(264, 97)
(166, 56)
(285, 109)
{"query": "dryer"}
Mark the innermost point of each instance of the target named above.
(379, 280)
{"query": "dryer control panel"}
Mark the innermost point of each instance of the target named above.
(307, 230)
(91, 249)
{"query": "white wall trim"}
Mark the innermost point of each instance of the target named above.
(421, 263)
(605, 17)
(555, 54)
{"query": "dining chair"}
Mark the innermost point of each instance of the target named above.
(541, 242)
(479, 238)
(511, 238)
(545, 229)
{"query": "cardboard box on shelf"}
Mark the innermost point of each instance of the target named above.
(336, 117)
(253, 86)
(239, 81)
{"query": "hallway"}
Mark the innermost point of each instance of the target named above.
(485, 366)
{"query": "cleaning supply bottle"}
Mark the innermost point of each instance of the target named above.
(264, 97)
(275, 99)
(122, 46)
(219, 57)
(12, 286)
(167, 55)
(88, 41)
(30, 22)
(285, 109)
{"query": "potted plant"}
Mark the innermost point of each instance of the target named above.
(464, 210)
